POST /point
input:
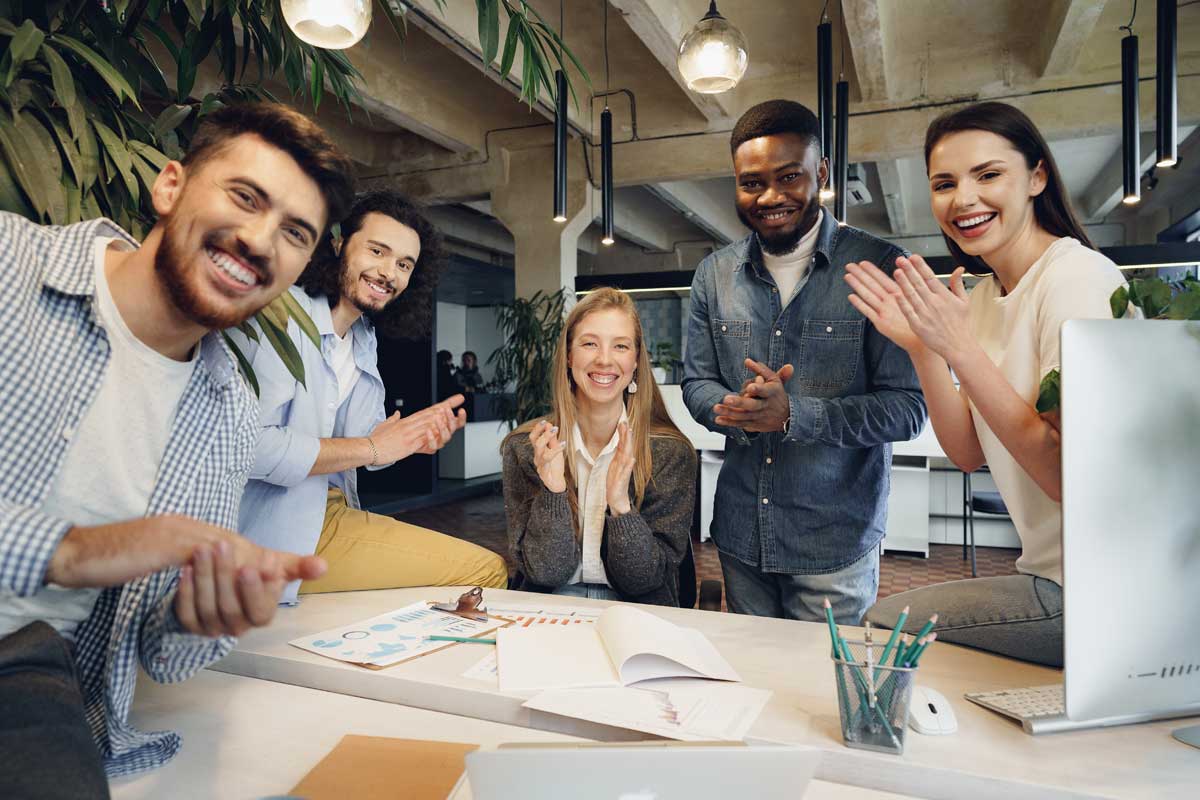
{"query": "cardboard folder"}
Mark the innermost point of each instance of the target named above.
(377, 767)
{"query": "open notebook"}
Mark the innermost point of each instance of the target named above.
(626, 645)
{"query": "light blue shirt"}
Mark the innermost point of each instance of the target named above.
(283, 506)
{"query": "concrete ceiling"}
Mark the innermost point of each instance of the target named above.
(444, 124)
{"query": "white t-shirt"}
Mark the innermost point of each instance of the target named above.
(109, 470)
(1020, 333)
(789, 269)
(343, 364)
(591, 480)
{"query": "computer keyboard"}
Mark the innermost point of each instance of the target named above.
(1032, 706)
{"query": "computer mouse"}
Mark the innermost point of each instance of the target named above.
(930, 713)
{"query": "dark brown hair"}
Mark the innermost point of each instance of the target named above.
(290, 131)
(1052, 208)
(409, 316)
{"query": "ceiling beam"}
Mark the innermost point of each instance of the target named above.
(713, 215)
(1067, 27)
(1105, 191)
(661, 25)
(867, 28)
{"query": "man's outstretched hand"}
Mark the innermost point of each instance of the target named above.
(227, 584)
(763, 403)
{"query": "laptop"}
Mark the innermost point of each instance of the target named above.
(643, 771)
(1131, 530)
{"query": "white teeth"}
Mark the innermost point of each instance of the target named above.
(972, 221)
(231, 267)
(775, 214)
(376, 288)
(603, 380)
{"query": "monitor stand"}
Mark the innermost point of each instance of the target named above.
(1188, 735)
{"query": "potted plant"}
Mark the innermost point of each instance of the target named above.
(525, 361)
(664, 358)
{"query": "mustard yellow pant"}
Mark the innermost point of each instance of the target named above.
(371, 551)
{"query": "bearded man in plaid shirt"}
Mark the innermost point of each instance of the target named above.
(127, 436)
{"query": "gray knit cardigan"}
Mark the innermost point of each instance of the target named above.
(641, 550)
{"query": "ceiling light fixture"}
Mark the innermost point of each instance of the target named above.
(606, 153)
(841, 139)
(1130, 128)
(560, 130)
(1165, 83)
(825, 97)
(330, 24)
(713, 56)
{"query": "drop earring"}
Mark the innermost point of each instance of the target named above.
(632, 389)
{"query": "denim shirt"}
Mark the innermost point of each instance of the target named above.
(814, 500)
(284, 506)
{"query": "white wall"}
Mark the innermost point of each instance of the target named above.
(483, 337)
(452, 328)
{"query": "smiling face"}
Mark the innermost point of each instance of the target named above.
(378, 262)
(603, 356)
(778, 178)
(981, 191)
(238, 229)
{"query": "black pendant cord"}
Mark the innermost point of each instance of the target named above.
(1166, 104)
(606, 150)
(560, 128)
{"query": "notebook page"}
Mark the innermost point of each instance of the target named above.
(644, 646)
(552, 657)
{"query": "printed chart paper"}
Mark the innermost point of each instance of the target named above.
(527, 615)
(392, 637)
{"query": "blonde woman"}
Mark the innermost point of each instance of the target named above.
(599, 494)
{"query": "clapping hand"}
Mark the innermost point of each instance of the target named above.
(877, 297)
(426, 431)
(620, 470)
(763, 404)
(548, 456)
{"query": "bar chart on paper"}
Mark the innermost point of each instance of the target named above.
(526, 616)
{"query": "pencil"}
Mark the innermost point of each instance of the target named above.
(891, 642)
(833, 631)
(926, 628)
(462, 639)
(916, 656)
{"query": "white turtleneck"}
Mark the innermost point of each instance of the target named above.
(790, 269)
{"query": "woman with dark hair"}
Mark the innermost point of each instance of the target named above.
(1002, 207)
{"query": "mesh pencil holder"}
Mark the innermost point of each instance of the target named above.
(873, 701)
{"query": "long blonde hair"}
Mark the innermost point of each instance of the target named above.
(645, 408)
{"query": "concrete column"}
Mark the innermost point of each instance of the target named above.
(545, 250)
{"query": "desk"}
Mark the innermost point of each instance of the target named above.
(246, 738)
(791, 659)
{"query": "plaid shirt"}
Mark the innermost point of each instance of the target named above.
(53, 353)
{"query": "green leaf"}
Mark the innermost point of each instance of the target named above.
(148, 152)
(60, 75)
(243, 365)
(489, 29)
(67, 147)
(144, 169)
(1151, 295)
(510, 49)
(171, 118)
(47, 164)
(24, 46)
(1050, 392)
(74, 200)
(11, 197)
(1119, 302)
(121, 159)
(1186, 304)
(318, 83)
(283, 345)
(24, 165)
(195, 10)
(398, 20)
(248, 329)
(297, 312)
(107, 72)
(89, 158)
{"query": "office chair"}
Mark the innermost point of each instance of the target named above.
(983, 502)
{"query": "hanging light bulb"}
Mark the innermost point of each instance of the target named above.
(331, 24)
(713, 56)
(1131, 158)
(606, 177)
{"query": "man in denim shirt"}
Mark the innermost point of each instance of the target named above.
(808, 394)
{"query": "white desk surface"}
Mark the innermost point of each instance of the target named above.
(247, 738)
(791, 659)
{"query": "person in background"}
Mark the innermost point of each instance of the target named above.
(303, 493)
(468, 377)
(1005, 214)
(801, 501)
(128, 433)
(599, 494)
(447, 386)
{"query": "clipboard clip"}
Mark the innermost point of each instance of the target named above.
(469, 606)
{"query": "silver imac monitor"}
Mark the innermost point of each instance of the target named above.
(1131, 519)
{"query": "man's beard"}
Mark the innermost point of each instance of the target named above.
(348, 288)
(170, 264)
(783, 242)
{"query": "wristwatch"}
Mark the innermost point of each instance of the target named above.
(787, 423)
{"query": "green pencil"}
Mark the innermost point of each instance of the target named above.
(833, 632)
(916, 656)
(887, 649)
(462, 639)
(926, 628)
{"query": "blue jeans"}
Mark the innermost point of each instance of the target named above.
(851, 590)
(592, 591)
(1015, 615)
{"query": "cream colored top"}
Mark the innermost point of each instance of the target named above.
(591, 480)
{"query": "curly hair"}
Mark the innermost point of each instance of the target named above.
(775, 117)
(409, 316)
